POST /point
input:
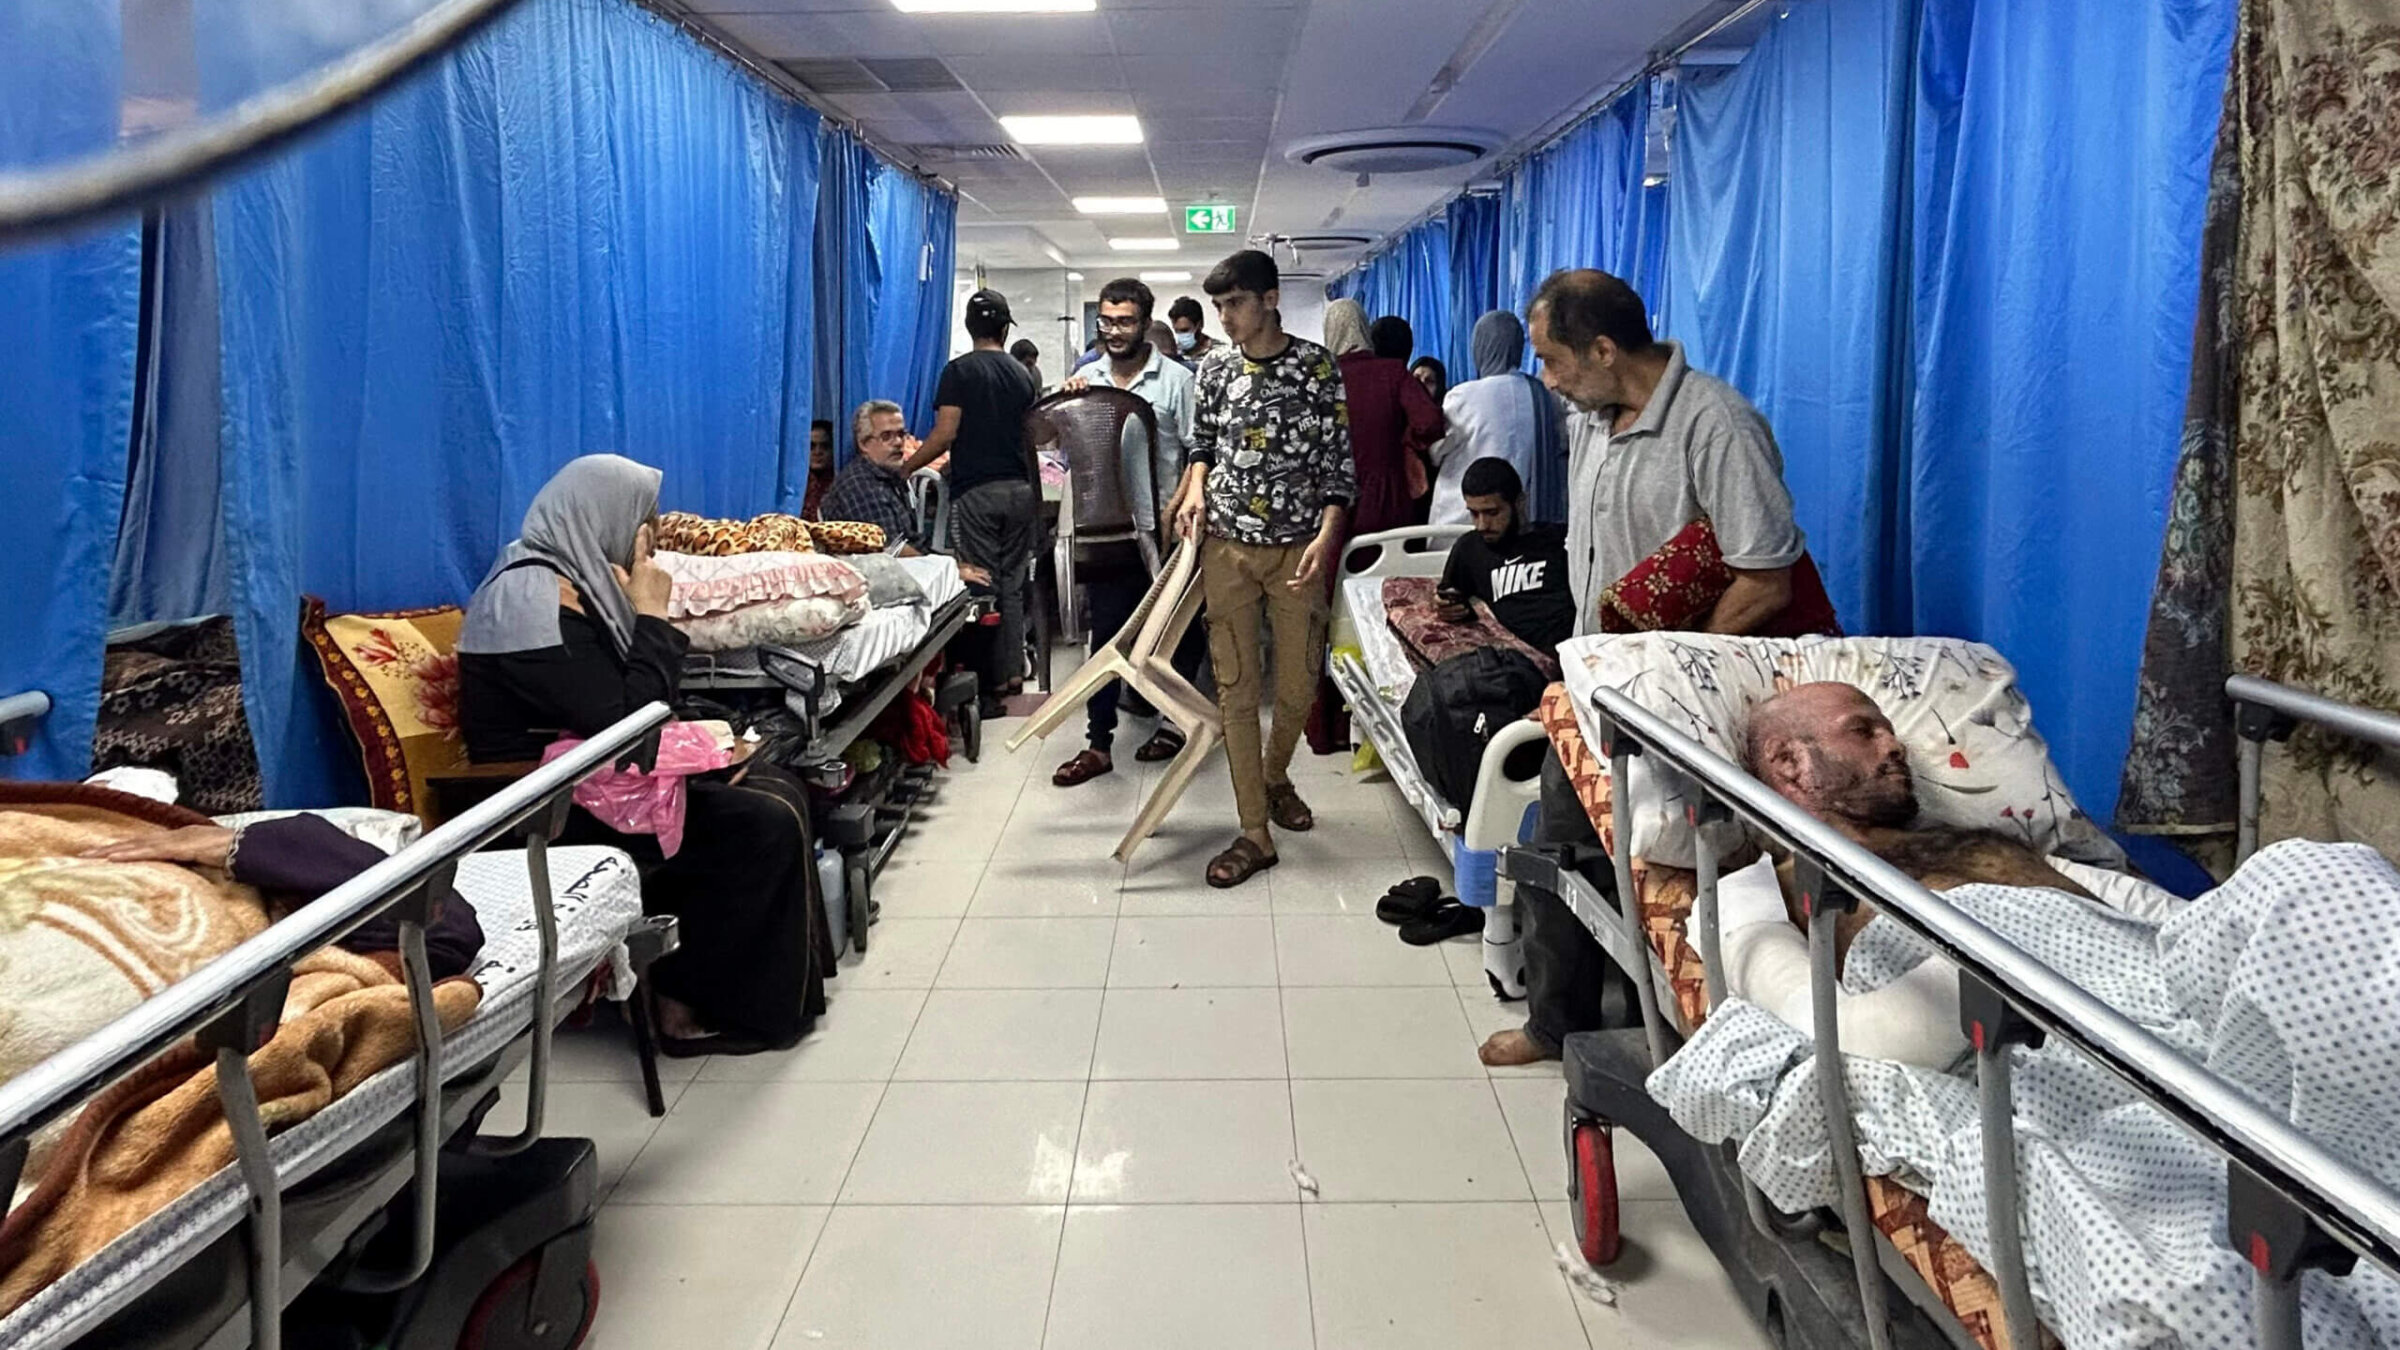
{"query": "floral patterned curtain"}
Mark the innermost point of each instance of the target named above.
(2307, 504)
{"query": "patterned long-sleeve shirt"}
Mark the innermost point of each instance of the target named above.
(1276, 437)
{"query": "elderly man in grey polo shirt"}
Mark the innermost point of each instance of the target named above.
(1656, 446)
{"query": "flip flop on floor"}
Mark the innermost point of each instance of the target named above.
(1285, 808)
(1412, 899)
(1165, 745)
(1240, 861)
(1086, 766)
(1451, 920)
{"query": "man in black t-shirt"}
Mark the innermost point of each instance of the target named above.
(994, 480)
(1520, 570)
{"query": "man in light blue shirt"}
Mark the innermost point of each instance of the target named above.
(1114, 585)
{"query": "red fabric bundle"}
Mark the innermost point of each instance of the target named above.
(1678, 586)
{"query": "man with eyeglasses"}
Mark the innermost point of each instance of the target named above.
(873, 488)
(1115, 581)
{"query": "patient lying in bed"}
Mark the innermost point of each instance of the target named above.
(1829, 749)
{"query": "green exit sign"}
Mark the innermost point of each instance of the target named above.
(1208, 218)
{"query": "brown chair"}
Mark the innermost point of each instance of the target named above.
(1100, 506)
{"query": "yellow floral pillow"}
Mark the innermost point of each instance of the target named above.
(396, 675)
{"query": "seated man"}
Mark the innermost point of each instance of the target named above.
(873, 490)
(1517, 568)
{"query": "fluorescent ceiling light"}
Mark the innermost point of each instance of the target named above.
(1095, 129)
(1166, 276)
(1074, 276)
(1121, 206)
(995, 6)
(1161, 244)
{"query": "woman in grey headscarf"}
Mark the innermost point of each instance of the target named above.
(568, 634)
(1502, 413)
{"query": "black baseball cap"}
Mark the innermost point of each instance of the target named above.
(985, 308)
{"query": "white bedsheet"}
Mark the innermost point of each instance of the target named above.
(879, 639)
(938, 575)
(2285, 982)
(1386, 660)
(598, 899)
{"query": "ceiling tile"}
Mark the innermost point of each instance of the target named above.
(1176, 32)
(1069, 99)
(1007, 34)
(783, 36)
(1036, 72)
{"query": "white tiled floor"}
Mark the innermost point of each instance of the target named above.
(1058, 1105)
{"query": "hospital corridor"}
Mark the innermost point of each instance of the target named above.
(1200, 675)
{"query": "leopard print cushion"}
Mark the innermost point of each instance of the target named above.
(848, 536)
(774, 532)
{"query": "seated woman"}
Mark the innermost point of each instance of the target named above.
(567, 635)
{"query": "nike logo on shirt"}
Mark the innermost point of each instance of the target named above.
(1516, 578)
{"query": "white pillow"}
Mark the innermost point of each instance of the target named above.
(1978, 762)
(706, 585)
(390, 831)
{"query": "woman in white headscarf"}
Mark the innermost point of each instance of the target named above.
(568, 634)
(1502, 413)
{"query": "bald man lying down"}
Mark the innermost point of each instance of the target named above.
(1828, 749)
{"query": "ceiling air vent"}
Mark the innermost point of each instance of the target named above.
(901, 75)
(953, 154)
(1327, 241)
(1393, 149)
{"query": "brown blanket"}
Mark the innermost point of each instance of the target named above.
(160, 1131)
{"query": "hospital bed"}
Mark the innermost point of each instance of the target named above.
(1374, 675)
(2293, 1205)
(836, 687)
(219, 1265)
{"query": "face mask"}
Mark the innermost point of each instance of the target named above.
(1185, 341)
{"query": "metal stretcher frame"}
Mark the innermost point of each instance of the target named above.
(1501, 809)
(2293, 1205)
(233, 1003)
(827, 740)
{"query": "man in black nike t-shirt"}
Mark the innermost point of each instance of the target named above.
(1519, 569)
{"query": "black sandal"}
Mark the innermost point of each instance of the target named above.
(1086, 766)
(1411, 900)
(1285, 808)
(1240, 861)
(1450, 921)
(1163, 746)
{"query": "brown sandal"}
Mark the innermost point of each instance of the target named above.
(1286, 809)
(1086, 766)
(1163, 746)
(1240, 861)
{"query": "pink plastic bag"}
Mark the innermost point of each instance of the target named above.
(632, 802)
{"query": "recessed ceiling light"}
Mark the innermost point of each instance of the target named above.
(995, 6)
(1074, 276)
(1121, 206)
(1161, 244)
(1166, 276)
(1097, 129)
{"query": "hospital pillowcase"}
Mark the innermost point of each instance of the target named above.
(1978, 762)
(780, 623)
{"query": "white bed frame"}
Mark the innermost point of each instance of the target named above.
(1501, 811)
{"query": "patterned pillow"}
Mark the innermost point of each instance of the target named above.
(775, 532)
(780, 623)
(396, 675)
(1671, 588)
(707, 585)
(1978, 762)
(848, 536)
(1414, 611)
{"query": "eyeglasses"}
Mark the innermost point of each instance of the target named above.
(896, 434)
(1108, 325)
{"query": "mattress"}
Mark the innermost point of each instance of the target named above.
(598, 898)
(938, 576)
(876, 641)
(1386, 661)
(1666, 896)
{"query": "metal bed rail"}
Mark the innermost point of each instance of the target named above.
(232, 1006)
(2265, 711)
(2293, 1205)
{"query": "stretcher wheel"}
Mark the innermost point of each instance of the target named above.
(970, 732)
(861, 884)
(1592, 1190)
(502, 1318)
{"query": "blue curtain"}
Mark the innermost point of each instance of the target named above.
(1474, 230)
(912, 231)
(575, 235)
(934, 296)
(69, 321)
(1582, 202)
(1786, 240)
(2053, 319)
(847, 280)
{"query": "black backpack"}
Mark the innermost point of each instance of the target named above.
(1458, 706)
